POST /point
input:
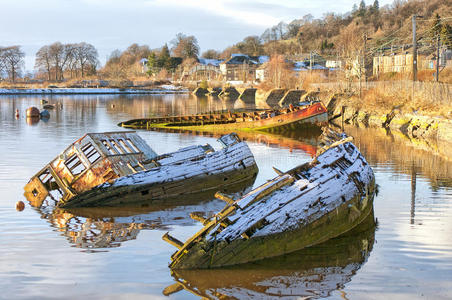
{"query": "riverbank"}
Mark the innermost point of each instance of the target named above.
(164, 89)
(415, 124)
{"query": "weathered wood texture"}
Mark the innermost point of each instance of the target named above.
(309, 273)
(194, 174)
(120, 168)
(303, 207)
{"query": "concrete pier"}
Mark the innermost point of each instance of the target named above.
(248, 95)
(274, 96)
(291, 97)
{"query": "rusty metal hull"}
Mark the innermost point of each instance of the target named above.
(314, 115)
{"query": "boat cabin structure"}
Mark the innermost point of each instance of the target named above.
(92, 160)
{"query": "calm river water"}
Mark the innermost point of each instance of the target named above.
(119, 253)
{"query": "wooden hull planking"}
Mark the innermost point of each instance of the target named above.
(219, 169)
(300, 208)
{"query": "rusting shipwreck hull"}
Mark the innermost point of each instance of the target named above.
(117, 168)
(294, 117)
(302, 207)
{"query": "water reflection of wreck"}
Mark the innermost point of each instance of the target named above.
(107, 227)
(305, 140)
(313, 272)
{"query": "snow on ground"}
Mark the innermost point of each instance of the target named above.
(164, 89)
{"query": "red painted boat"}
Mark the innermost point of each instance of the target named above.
(293, 117)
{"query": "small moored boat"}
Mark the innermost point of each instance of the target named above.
(118, 168)
(302, 207)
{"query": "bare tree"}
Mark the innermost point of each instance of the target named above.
(56, 52)
(12, 59)
(211, 54)
(43, 61)
(86, 55)
(2, 64)
(185, 46)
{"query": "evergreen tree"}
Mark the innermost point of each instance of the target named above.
(376, 6)
(436, 27)
(152, 64)
(164, 57)
(362, 9)
(446, 35)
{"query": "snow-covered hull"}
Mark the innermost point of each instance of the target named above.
(215, 170)
(303, 207)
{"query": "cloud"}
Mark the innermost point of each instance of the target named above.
(221, 8)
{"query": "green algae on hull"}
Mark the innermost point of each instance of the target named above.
(287, 119)
(303, 207)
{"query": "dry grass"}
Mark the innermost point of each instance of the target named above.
(428, 98)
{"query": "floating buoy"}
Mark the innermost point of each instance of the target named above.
(44, 101)
(32, 112)
(44, 114)
(20, 205)
(17, 113)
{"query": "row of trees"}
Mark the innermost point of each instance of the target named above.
(11, 62)
(129, 63)
(74, 59)
(184, 50)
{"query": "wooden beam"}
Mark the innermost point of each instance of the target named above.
(224, 197)
(172, 240)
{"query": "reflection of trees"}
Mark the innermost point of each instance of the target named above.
(163, 105)
(427, 157)
(313, 272)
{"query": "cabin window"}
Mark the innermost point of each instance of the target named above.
(125, 146)
(109, 147)
(50, 184)
(91, 153)
(75, 165)
(117, 147)
(135, 149)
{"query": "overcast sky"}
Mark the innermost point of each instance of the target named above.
(115, 24)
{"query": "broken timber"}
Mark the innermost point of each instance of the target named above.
(302, 207)
(117, 168)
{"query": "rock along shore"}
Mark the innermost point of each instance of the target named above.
(411, 124)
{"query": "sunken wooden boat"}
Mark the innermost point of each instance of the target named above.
(310, 273)
(294, 117)
(302, 207)
(119, 168)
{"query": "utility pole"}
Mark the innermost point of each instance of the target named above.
(363, 64)
(310, 62)
(413, 21)
(437, 58)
